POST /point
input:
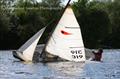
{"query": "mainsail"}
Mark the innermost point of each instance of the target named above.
(26, 51)
(66, 40)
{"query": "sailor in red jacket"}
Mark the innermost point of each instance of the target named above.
(98, 55)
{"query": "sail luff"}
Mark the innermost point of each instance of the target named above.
(31, 40)
(43, 51)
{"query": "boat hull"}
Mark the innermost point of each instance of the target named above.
(16, 55)
(52, 58)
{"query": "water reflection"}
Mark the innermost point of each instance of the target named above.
(11, 68)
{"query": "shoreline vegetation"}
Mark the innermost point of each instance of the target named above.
(20, 19)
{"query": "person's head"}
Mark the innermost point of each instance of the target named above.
(100, 50)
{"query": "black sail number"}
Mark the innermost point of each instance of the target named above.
(76, 54)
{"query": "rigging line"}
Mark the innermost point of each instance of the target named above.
(50, 22)
(43, 51)
(53, 39)
(58, 21)
(61, 16)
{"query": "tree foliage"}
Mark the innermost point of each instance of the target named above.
(113, 38)
(94, 22)
(20, 19)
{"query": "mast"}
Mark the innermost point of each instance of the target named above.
(43, 54)
(66, 40)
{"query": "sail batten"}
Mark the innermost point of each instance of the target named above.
(66, 40)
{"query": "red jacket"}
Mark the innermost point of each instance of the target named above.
(98, 56)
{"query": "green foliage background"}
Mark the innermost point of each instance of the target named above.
(20, 19)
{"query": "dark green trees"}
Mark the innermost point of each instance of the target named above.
(94, 22)
(20, 19)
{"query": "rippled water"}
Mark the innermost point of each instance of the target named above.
(11, 68)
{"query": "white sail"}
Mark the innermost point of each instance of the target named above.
(66, 40)
(26, 51)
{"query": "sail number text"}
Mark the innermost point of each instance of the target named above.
(76, 54)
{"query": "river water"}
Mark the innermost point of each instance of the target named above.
(11, 68)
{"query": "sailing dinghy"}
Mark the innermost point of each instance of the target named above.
(66, 40)
(26, 51)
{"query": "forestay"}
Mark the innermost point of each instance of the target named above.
(66, 40)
